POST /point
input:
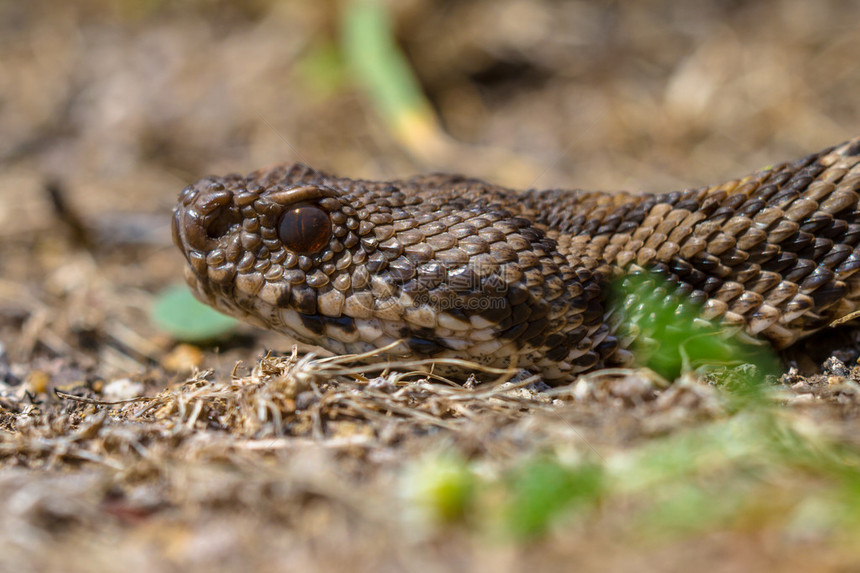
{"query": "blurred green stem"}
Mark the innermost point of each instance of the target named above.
(367, 39)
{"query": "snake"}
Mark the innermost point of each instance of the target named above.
(442, 266)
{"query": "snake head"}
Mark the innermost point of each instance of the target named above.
(264, 247)
(436, 266)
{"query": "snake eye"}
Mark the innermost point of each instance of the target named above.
(305, 229)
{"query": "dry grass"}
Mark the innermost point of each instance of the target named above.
(309, 461)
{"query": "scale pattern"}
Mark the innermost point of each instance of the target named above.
(446, 266)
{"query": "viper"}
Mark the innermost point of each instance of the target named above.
(445, 266)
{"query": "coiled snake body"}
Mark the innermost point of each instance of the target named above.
(447, 266)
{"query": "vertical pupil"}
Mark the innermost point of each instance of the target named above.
(305, 229)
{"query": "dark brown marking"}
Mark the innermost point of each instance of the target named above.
(304, 299)
(344, 323)
(313, 322)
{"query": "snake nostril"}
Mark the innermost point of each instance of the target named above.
(211, 216)
(220, 224)
(198, 231)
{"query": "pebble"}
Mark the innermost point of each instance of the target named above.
(122, 389)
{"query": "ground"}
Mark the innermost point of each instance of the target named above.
(120, 444)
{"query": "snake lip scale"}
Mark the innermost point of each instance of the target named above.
(444, 266)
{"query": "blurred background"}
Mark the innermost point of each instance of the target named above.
(108, 108)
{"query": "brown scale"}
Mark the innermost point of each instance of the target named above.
(774, 252)
(447, 266)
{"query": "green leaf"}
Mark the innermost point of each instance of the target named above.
(373, 56)
(322, 70)
(178, 313)
(671, 336)
(442, 486)
(544, 489)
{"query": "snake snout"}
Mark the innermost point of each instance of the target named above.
(203, 217)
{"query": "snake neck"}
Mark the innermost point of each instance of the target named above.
(774, 253)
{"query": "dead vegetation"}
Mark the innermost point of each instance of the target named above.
(305, 460)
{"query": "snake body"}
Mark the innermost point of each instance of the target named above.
(444, 266)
